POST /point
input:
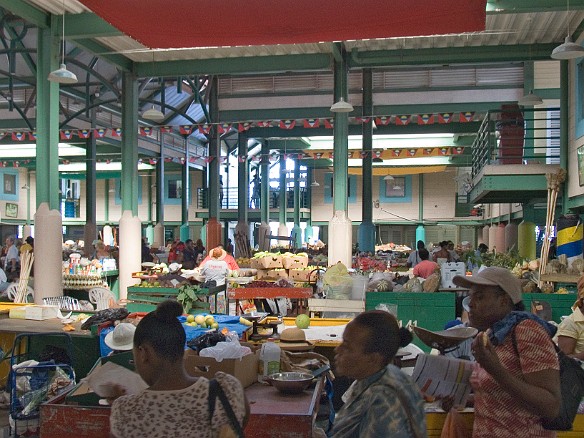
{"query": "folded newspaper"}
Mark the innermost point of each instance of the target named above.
(441, 376)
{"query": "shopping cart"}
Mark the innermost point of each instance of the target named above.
(35, 377)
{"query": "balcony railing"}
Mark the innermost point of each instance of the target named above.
(517, 136)
(229, 200)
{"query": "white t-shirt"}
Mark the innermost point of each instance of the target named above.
(3, 278)
(215, 270)
(11, 254)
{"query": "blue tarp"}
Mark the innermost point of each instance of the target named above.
(231, 322)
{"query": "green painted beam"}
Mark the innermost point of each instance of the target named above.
(227, 66)
(28, 12)
(450, 55)
(105, 53)
(525, 6)
(87, 25)
(14, 124)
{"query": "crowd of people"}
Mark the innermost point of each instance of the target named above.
(10, 259)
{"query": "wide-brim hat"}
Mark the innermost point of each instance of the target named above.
(174, 267)
(294, 339)
(121, 337)
(445, 339)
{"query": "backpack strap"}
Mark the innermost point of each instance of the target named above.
(215, 391)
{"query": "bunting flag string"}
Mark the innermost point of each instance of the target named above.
(243, 126)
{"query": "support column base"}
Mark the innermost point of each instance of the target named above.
(48, 251)
(263, 237)
(340, 239)
(130, 259)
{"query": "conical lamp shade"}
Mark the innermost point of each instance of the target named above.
(314, 184)
(568, 50)
(153, 114)
(530, 100)
(62, 76)
(388, 178)
(341, 106)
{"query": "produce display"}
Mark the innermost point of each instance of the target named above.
(202, 321)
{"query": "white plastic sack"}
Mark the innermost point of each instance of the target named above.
(225, 350)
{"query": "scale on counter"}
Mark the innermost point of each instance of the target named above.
(256, 318)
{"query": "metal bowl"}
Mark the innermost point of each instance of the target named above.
(290, 382)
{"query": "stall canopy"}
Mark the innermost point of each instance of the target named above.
(209, 23)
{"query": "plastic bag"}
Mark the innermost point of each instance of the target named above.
(206, 340)
(337, 282)
(225, 350)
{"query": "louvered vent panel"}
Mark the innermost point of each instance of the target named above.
(295, 83)
(453, 78)
(404, 79)
(257, 84)
(500, 76)
(553, 135)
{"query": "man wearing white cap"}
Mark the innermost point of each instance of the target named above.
(515, 385)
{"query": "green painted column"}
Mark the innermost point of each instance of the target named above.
(160, 187)
(366, 234)
(242, 180)
(341, 142)
(47, 121)
(309, 233)
(420, 230)
(282, 200)
(90, 229)
(297, 231)
(151, 198)
(106, 200)
(528, 114)
(214, 236)
(564, 127)
(265, 183)
(186, 195)
(129, 143)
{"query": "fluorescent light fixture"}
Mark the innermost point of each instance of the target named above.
(530, 100)
(386, 141)
(403, 162)
(568, 50)
(28, 150)
(80, 167)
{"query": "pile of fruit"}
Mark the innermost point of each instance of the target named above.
(259, 283)
(202, 321)
(243, 262)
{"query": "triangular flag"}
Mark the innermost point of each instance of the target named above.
(145, 130)
(382, 120)
(32, 135)
(116, 132)
(311, 123)
(241, 158)
(412, 152)
(66, 134)
(396, 152)
(100, 132)
(205, 128)
(224, 128)
(84, 133)
(287, 124)
(186, 129)
(457, 150)
(264, 124)
(329, 123)
(466, 117)
(18, 136)
(165, 128)
(444, 151)
(402, 120)
(444, 117)
(362, 120)
(428, 151)
(2, 135)
(208, 159)
(425, 119)
(241, 127)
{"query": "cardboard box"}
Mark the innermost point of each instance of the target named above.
(299, 274)
(271, 262)
(244, 369)
(38, 313)
(294, 262)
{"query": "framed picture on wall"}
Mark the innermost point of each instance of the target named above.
(581, 166)
(11, 210)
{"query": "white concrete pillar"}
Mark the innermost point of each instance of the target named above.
(48, 253)
(340, 239)
(130, 251)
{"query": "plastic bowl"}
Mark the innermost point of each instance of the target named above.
(290, 382)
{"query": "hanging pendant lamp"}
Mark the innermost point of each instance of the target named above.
(530, 100)
(341, 106)
(153, 114)
(62, 75)
(568, 49)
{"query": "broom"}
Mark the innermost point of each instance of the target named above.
(26, 260)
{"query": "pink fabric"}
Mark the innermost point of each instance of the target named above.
(497, 413)
(425, 268)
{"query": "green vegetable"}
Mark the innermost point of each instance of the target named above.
(187, 295)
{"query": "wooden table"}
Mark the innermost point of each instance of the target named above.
(277, 415)
(250, 293)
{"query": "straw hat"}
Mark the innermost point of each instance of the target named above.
(122, 337)
(294, 339)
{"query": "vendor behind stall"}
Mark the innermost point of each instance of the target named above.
(224, 256)
(215, 269)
